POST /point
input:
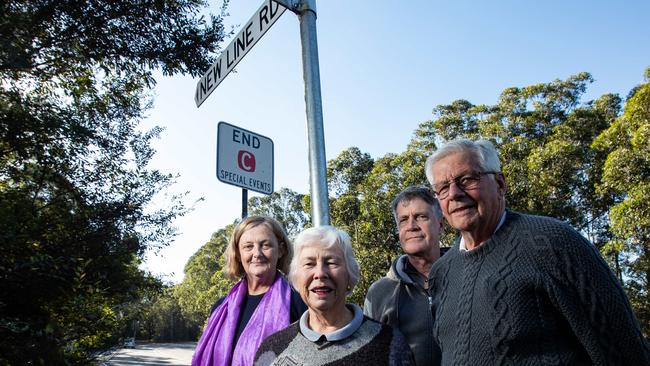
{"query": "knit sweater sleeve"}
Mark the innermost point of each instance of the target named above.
(586, 292)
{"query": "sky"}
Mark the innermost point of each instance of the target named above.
(384, 66)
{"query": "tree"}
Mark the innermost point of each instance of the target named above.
(363, 190)
(205, 281)
(626, 176)
(346, 174)
(544, 137)
(163, 320)
(75, 189)
(285, 205)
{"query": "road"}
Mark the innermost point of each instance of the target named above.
(150, 354)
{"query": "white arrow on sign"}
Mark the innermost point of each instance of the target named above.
(250, 33)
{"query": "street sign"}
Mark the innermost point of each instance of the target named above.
(244, 158)
(247, 37)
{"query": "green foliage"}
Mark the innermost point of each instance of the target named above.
(75, 189)
(52, 39)
(626, 177)
(286, 206)
(205, 281)
(162, 320)
(348, 170)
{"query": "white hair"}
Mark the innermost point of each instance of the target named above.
(483, 151)
(326, 237)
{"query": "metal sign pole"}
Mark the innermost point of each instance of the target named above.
(311, 74)
(244, 203)
(306, 11)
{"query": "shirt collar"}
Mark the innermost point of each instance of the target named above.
(336, 335)
(461, 245)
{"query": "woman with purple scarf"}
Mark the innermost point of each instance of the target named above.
(260, 304)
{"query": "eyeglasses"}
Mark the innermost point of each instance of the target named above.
(466, 182)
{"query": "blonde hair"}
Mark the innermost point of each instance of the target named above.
(234, 268)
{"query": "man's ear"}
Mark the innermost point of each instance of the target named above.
(501, 182)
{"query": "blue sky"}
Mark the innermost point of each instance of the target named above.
(384, 66)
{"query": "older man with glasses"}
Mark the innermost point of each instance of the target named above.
(520, 289)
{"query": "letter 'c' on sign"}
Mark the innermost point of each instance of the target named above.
(246, 161)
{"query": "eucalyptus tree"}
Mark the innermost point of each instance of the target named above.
(204, 281)
(362, 191)
(75, 187)
(285, 205)
(626, 177)
(543, 133)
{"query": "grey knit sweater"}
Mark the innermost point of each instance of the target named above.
(536, 293)
(362, 342)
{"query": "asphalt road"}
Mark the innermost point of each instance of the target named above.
(150, 354)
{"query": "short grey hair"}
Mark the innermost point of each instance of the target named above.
(483, 151)
(326, 237)
(422, 193)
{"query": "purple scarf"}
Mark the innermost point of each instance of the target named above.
(215, 347)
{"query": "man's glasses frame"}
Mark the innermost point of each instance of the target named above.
(465, 182)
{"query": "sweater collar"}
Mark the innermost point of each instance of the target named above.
(461, 245)
(336, 335)
(502, 234)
